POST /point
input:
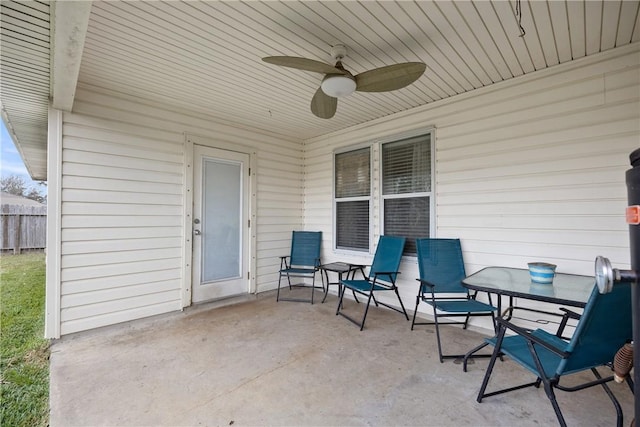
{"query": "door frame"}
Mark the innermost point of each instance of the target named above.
(187, 273)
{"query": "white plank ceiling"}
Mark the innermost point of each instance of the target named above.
(206, 56)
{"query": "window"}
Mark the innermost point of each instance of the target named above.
(352, 199)
(404, 187)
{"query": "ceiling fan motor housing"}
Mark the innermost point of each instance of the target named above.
(338, 51)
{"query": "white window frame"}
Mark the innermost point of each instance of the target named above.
(376, 198)
(430, 194)
(352, 199)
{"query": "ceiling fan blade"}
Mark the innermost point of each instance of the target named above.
(303, 64)
(391, 77)
(323, 105)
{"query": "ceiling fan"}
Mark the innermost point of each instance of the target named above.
(339, 82)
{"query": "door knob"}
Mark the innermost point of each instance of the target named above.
(196, 232)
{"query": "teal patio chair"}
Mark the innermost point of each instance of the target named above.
(382, 277)
(604, 326)
(302, 263)
(441, 271)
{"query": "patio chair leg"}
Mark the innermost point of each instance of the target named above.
(548, 389)
(341, 292)
(313, 287)
(353, 276)
(406, 316)
(435, 318)
(466, 321)
(616, 404)
(366, 310)
(492, 363)
(548, 386)
(374, 299)
(413, 322)
(278, 293)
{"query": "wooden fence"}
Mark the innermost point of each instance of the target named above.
(24, 228)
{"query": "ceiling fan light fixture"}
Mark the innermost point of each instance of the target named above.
(338, 85)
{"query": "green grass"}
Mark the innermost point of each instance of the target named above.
(24, 353)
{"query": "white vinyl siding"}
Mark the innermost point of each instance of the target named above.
(123, 196)
(526, 170)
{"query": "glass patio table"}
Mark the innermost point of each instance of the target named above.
(567, 289)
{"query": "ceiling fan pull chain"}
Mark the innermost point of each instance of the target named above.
(519, 16)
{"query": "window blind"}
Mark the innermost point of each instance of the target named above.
(352, 196)
(406, 188)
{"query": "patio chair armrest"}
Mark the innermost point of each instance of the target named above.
(568, 314)
(388, 274)
(422, 290)
(529, 336)
(424, 282)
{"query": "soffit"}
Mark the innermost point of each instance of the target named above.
(24, 79)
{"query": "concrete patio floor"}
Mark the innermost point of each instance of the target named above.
(257, 362)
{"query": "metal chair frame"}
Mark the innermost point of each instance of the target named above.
(303, 262)
(604, 327)
(438, 259)
(382, 277)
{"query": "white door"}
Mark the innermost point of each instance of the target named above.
(220, 224)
